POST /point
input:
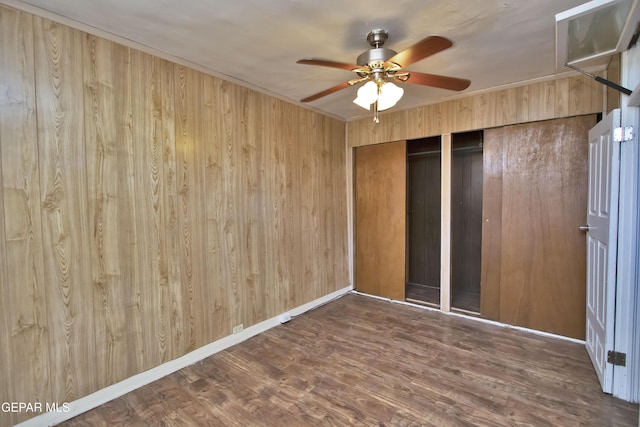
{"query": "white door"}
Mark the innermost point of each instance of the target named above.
(602, 220)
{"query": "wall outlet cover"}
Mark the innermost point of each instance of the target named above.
(284, 318)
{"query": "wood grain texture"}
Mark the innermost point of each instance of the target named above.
(563, 97)
(493, 156)
(543, 262)
(380, 188)
(112, 205)
(153, 130)
(484, 110)
(24, 365)
(191, 215)
(213, 132)
(147, 209)
(361, 361)
(65, 223)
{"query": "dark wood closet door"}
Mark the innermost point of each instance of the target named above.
(380, 189)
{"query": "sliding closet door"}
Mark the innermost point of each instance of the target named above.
(542, 259)
(380, 199)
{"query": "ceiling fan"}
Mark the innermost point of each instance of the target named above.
(379, 67)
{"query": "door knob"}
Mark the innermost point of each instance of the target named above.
(584, 227)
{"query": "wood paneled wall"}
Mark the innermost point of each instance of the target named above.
(147, 209)
(564, 97)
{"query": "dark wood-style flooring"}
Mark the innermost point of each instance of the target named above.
(362, 361)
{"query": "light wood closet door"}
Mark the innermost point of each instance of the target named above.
(533, 254)
(380, 197)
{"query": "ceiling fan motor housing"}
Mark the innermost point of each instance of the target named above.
(376, 55)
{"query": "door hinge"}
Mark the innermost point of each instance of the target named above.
(616, 358)
(623, 134)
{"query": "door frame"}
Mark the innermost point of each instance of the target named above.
(626, 380)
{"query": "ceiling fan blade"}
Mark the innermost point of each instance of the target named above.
(327, 63)
(444, 82)
(425, 47)
(326, 92)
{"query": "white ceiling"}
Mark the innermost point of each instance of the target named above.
(496, 42)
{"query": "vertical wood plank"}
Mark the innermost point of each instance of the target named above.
(212, 148)
(294, 200)
(308, 195)
(433, 119)
(380, 180)
(172, 294)
(581, 95)
(101, 75)
(277, 114)
(522, 103)
(250, 158)
(506, 107)
(130, 245)
(417, 122)
(63, 175)
(234, 232)
(147, 154)
(562, 97)
(491, 224)
(484, 110)
(24, 337)
(192, 210)
(158, 296)
(446, 113)
(541, 101)
(462, 115)
(445, 224)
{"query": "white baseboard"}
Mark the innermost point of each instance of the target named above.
(477, 319)
(84, 404)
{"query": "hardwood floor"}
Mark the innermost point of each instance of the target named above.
(363, 361)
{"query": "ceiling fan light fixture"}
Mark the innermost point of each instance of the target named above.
(386, 94)
(367, 95)
(389, 96)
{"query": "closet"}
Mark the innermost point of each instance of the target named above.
(480, 222)
(423, 221)
(424, 157)
(466, 220)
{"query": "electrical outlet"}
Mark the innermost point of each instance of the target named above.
(238, 328)
(284, 318)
